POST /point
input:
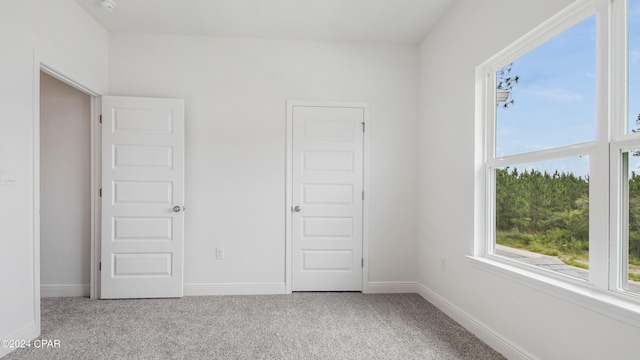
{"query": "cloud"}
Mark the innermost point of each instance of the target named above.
(634, 56)
(503, 130)
(551, 94)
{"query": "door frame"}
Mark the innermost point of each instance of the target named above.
(42, 64)
(289, 185)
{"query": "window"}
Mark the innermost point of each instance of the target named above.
(630, 215)
(542, 215)
(626, 149)
(560, 123)
(553, 102)
(544, 131)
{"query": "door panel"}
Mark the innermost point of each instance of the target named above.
(327, 260)
(327, 182)
(327, 227)
(327, 194)
(142, 264)
(154, 229)
(142, 182)
(142, 156)
(334, 161)
(142, 192)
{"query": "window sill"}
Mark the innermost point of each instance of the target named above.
(604, 302)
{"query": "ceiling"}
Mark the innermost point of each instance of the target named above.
(405, 21)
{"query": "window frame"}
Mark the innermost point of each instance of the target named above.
(621, 142)
(607, 263)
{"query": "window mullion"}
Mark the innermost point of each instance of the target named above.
(617, 99)
(599, 217)
(542, 155)
(599, 180)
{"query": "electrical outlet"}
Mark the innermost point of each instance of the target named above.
(220, 253)
(443, 264)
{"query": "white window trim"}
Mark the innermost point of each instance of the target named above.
(620, 142)
(602, 291)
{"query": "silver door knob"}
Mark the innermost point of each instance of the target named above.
(297, 209)
(176, 209)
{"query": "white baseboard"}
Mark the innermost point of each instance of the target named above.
(29, 333)
(64, 290)
(234, 289)
(388, 287)
(484, 333)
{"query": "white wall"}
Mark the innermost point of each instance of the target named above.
(28, 27)
(65, 189)
(16, 211)
(235, 92)
(536, 324)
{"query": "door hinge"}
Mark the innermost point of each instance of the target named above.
(100, 266)
(362, 263)
(100, 192)
(363, 127)
(100, 118)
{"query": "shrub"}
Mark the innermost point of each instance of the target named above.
(557, 236)
(514, 238)
(536, 248)
(634, 277)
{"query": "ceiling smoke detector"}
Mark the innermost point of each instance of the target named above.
(108, 5)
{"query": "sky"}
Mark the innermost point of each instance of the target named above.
(634, 63)
(556, 94)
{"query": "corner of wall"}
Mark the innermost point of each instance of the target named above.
(482, 331)
(30, 332)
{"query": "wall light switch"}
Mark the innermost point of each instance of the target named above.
(7, 178)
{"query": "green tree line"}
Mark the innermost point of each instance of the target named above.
(543, 212)
(549, 212)
(634, 219)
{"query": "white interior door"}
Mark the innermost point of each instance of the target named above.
(142, 197)
(327, 198)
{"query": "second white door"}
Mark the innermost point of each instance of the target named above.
(327, 197)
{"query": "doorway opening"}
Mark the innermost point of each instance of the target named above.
(65, 189)
(66, 186)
